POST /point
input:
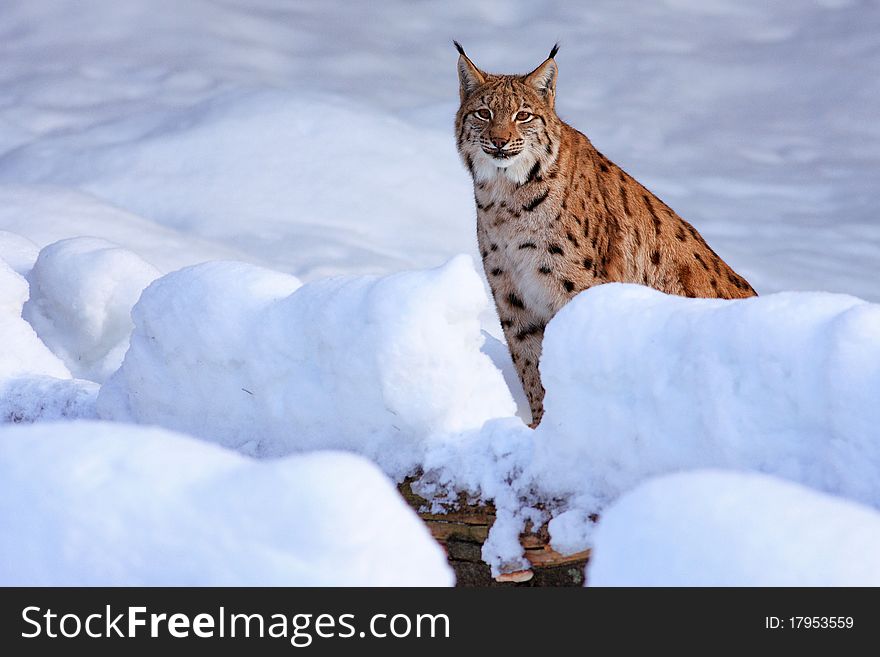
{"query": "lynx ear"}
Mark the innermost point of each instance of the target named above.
(469, 76)
(543, 78)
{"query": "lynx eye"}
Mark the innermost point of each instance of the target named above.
(483, 114)
(524, 117)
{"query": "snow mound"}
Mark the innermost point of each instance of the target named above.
(244, 356)
(34, 383)
(22, 352)
(18, 252)
(232, 168)
(39, 215)
(36, 398)
(640, 383)
(92, 503)
(713, 528)
(82, 292)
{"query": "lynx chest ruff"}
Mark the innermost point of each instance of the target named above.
(516, 245)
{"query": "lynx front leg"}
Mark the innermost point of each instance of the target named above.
(523, 328)
(524, 336)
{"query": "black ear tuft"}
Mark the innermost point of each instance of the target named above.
(552, 52)
(458, 47)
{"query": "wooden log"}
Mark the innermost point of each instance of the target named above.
(445, 531)
(462, 527)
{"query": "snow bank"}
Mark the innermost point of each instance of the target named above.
(18, 252)
(640, 383)
(293, 132)
(198, 138)
(34, 398)
(34, 383)
(233, 168)
(22, 352)
(106, 504)
(38, 215)
(82, 292)
(712, 528)
(246, 357)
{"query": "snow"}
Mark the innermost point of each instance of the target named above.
(42, 215)
(92, 503)
(232, 122)
(245, 356)
(499, 353)
(395, 368)
(22, 352)
(785, 383)
(82, 290)
(292, 142)
(713, 528)
(38, 397)
(18, 252)
(34, 383)
(177, 166)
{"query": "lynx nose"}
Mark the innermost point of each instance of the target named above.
(499, 142)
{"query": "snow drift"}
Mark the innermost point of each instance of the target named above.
(187, 144)
(106, 504)
(22, 351)
(232, 169)
(246, 357)
(712, 528)
(36, 397)
(17, 251)
(34, 383)
(36, 216)
(81, 294)
(640, 383)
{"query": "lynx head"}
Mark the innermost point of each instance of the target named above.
(506, 125)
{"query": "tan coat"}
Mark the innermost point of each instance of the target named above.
(555, 216)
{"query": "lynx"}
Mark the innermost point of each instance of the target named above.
(555, 216)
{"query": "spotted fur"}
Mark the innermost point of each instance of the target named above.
(555, 216)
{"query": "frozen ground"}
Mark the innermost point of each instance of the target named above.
(313, 139)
